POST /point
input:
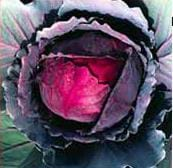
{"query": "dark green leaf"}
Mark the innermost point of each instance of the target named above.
(15, 147)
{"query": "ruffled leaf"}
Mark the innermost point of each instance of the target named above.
(116, 9)
(144, 150)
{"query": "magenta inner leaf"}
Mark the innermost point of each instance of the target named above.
(77, 89)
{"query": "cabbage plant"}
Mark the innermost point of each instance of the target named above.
(88, 83)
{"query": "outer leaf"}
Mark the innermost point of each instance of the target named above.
(17, 23)
(160, 12)
(34, 160)
(164, 73)
(167, 161)
(15, 147)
